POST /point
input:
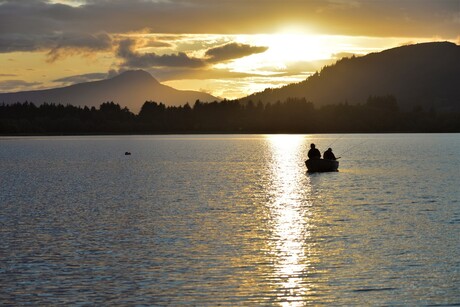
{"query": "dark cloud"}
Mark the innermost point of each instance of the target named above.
(16, 85)
(232, 51)
(29, 25)
(81, 78)
(79, 43)
(11, 42)
(133, 59)
(57, 44)
(35, 25)
(356, 17)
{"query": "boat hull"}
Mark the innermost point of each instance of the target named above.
(322, 165)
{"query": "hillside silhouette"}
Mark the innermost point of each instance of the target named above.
(419, 76)
(130, 89)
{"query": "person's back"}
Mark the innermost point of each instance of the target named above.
(314, 153)
(329, 155)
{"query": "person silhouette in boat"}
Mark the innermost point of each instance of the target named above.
(314, 153)
(329, 155)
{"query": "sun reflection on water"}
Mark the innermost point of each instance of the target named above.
(290, 216)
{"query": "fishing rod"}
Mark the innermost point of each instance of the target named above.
(341, 136)
(353, 147)
(330, 144)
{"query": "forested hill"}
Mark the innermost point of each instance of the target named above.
(379, 114)
(423, 75)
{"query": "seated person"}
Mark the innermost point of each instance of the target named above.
(329, 155)
(314, 153)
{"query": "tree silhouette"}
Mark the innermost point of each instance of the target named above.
(378, 114)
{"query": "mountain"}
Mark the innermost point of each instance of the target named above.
(130, 89)
(422, 75)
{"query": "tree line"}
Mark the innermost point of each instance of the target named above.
(295, 115)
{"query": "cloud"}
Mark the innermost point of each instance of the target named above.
(158, 44)
(56, 44)
(331, 5)
(79, 43)
(16, 85)
(131, 58)
(12, 42)
(29, 25)
(81, 78)
(134, 59)
(37, 25)
(232, 51)
(178, 73)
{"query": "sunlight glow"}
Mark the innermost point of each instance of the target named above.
(283, 48)
(298, 47)
(293, 54)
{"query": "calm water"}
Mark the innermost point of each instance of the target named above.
(229, 220)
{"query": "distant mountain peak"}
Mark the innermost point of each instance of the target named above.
(136, 76)
(131, 89)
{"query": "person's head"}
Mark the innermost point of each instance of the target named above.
(329, 149)
(312, 145)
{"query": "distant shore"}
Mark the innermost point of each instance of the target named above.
(298, 116)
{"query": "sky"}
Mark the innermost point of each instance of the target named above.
(228, 48)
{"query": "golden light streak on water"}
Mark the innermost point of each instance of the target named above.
(290, 218)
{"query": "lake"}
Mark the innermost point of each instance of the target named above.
(225, 220)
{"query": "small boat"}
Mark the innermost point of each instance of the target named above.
(322, 165)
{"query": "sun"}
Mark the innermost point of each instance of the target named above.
(291, 56)
(294, 47)
(284, 47)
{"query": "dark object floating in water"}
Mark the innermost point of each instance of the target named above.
(322, 165)
(127, 153)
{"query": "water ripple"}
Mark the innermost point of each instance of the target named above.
(228, 220)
